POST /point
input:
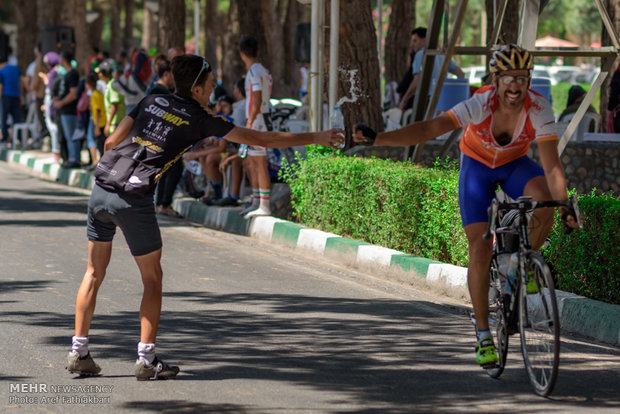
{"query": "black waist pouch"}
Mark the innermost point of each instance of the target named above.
(123, 173)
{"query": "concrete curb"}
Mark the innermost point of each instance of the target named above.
(577, 314)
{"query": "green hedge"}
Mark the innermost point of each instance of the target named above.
(396, 205)
(587, 262)
(415, 210)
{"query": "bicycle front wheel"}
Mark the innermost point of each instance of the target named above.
(539, 325)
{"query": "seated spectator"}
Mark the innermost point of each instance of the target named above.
(575, 96)
(209, 154)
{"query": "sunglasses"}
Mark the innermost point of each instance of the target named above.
(205, 67)
(521, 80)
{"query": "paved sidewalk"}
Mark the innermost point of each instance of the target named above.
(578, 315)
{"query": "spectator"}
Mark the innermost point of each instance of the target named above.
(170, 179)
(132, 84)
(575, 95)
(417, 67)
(37, 85)
(239, 114)
(9, 93)
(304, 70)
(114, 101)
(66, 104)
(257, 91)
(157, 60)
(613, 106)
(209, 153)
(49, 74)
(97, 113)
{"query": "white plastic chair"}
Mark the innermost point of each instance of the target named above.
(590, 122)
(393, 114)
(26, 129)
(407, 117)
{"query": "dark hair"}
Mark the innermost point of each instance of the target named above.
(249, 46)
(185, 68)
(163, 67)
(91, 79)
(67, 55)
(241, 85)
(420, 31)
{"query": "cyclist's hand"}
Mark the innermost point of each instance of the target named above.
(363, 134)
(569, 220)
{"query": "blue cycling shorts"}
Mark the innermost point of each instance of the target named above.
(477, 184)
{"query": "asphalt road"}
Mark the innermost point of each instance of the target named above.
(255, 328)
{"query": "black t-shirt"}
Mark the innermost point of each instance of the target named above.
(167, 126)
(70, 80)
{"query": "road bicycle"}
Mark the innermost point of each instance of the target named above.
(528, 303)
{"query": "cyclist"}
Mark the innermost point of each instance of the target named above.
(500, 121)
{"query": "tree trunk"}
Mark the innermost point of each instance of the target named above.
(212, 33)
(149, 29)
(115, 27)
(83, 47)
(128, 29)
(358, 52)
(294, 15)
(402, 22)
(232, 66)
(96, 27)
(27, 38)
(48, 13)
(171, 24)
(273, 54)
(509, 31)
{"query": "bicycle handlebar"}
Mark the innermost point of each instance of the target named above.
(525, 204)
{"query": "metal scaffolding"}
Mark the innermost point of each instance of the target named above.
(530, 11)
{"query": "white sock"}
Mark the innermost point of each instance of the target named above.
(146, 352)
(80, 345)
(264, 196)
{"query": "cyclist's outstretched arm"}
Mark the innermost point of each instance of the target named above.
(415, 133)
(554, 173)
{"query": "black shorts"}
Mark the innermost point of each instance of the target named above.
(135, 215)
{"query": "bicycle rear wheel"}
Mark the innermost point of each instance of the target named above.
(497, 322)
(539, 325)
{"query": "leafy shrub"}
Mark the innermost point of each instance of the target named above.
(587, 262)
(396, 205)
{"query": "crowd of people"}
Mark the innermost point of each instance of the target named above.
(79, 104)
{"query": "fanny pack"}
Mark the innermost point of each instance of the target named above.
(126, 173)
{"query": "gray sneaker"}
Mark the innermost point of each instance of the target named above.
(158, 370)
(85, 366)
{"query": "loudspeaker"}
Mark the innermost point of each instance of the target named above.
(302, 43)
(4, 47)
(57, 39)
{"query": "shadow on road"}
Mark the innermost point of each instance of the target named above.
(387, 355)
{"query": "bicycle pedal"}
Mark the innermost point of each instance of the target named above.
(490, 365)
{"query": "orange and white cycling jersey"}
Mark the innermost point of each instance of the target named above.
(476, 116)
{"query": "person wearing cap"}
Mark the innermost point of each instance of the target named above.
(500, 121)
(113, 100)
(66, 104)
(159, 130)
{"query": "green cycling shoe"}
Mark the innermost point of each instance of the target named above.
(486, 356)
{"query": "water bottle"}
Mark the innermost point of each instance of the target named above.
(336, 121)
(511, 275)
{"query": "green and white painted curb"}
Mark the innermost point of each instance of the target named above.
(577, 314)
